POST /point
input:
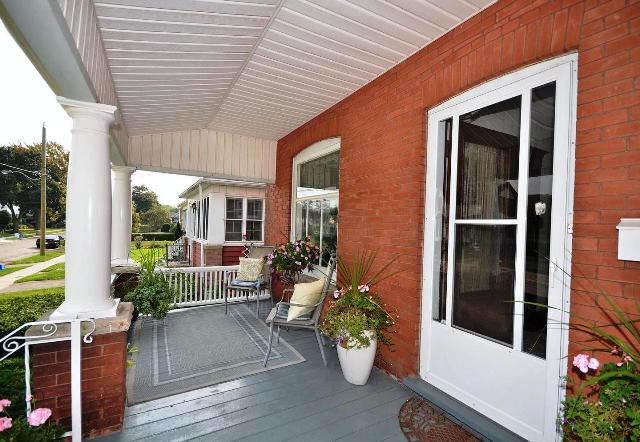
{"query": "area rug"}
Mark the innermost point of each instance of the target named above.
(198, 347)
(420, 422)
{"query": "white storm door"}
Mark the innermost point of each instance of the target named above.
(499, 181)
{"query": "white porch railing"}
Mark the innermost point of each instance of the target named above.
(204, 285)
(46, 332)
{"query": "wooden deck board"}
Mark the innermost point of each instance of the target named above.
(305, 401)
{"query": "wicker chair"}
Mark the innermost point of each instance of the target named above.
(278, 316)
(254, 287)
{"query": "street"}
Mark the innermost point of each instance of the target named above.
(11, 249)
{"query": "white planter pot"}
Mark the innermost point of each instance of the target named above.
(356, 363)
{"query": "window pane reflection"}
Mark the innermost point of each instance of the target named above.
(489, 145)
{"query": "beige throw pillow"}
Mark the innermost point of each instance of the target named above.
(308, 293)
(250, 269)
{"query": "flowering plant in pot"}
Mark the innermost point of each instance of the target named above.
(357, 318)
(289, 260)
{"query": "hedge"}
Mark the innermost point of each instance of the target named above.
(27, 306)
(154, 236)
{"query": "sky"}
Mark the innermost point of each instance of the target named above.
(26, 102)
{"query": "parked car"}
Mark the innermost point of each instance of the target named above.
(51, 241)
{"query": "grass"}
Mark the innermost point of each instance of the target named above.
(9, 270)
(51, 273)
(139, 254)
(49, 254)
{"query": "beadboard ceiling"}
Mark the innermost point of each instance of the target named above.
(258, 67)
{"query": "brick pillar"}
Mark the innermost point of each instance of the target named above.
(103, 376)
(212, 255)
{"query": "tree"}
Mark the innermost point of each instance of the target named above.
(135, 219)
(178, 231)
(5, 219)
(156, 217)
(144, 198)
(21, 194)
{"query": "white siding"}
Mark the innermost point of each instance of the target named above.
(205, 152)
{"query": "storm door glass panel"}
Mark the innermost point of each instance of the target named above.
(329, 230)
(301, 219)
(442, 226)
(484, 280)
(536, 283)
(314, 212)
(489, 142)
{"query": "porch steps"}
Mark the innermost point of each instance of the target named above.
(483, 426)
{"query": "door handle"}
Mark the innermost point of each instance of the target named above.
(552, 273)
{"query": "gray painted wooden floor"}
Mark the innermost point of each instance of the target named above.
(303, 402)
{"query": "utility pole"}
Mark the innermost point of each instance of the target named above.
(43, 191)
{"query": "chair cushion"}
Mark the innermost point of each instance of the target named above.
(242, 283)
(250, 269)
(308, 293)
(282, 312)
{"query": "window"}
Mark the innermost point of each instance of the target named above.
(315, 196)
(254, 220)
(244, 219)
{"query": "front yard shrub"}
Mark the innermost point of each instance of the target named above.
(153, 295)
(154, 236)
(27, 306)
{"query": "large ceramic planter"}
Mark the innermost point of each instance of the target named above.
(356, 363)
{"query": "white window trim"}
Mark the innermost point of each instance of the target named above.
(316, 150)
(244, 219)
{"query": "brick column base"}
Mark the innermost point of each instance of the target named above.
(103, 376)
(212, 255)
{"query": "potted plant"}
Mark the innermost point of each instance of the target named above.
(356, 319)
(289, 260)
(153, 295)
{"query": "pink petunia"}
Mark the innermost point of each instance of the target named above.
(28, 398)
(337, 294)
(5, 423)
(594, 364)
(4, 403)
(38, 416)
(363, 288)
(581, 362)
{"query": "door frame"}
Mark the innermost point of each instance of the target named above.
(556, 369)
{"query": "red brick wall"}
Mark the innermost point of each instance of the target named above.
(382, 159)
(196, 254)
(103, 382)
(231, 255)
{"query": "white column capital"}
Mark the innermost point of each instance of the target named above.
(77, 108)
(123, 171)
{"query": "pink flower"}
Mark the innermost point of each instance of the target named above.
(615, 351)
(28, 398)
(4, 403)
(38, 416)
(584, 363)
(363, 288)
(337, 294)
(5, 423)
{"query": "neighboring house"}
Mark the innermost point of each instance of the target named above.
(220, 217)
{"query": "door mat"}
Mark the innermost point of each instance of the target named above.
(420, 422)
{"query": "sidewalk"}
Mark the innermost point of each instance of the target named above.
(8, 280)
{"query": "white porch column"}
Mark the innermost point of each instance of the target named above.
(121, 215)
(88, 227)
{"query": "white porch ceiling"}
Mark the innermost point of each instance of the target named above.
(257, 67)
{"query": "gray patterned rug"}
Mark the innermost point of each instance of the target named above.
(198, 347)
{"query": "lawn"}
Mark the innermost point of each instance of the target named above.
(139, 254)
(49, 254)
(12, 269)
(51, 273)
